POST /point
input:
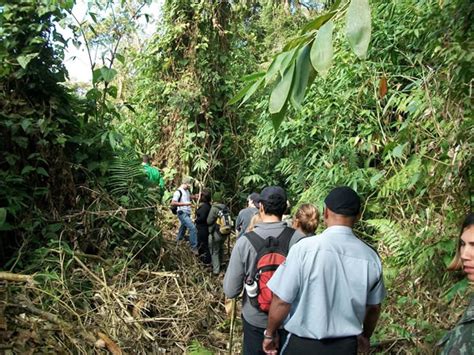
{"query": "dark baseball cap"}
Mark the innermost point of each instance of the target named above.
(272, 193)
(344, 201)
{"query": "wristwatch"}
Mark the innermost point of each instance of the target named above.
(267, 336)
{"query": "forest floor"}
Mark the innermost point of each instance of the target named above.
(174, 305)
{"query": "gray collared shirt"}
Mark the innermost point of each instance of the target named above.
(328, 280)
(242, 263)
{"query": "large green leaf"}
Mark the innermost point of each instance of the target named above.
(288, 60)
(23, 60)
(318, 22)
(302, 73)
(280, 93)
(252, 90)
(240, 94)
(322, 50)
(277, 118)
(358, 27)
(253, 76)
(274, 66)
(108, 74)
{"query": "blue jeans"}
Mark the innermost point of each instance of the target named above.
(187, 223)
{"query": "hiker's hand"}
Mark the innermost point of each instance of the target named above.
(270, 346)
(363, 344)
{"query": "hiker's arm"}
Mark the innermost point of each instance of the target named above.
(372, 313)
(212, 217)
(176, 203)
(279, 310)
(235, 274)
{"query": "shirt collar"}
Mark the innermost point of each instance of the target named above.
(339, 229)
(271, 225)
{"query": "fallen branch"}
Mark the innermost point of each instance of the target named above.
(9, 276)
(55, 319)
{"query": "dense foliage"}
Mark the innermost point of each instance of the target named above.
(396, 126)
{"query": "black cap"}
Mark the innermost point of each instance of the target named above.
(272, 193)
(343, 200)
(254, 197)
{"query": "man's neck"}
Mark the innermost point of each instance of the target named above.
(269, 218)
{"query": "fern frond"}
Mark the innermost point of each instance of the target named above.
(404, 179)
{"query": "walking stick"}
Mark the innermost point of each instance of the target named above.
(232, 325)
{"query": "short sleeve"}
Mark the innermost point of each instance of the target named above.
(377, 292)
(176, 196)
(286, 281)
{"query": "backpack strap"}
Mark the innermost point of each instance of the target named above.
(284, 239)
(259, 243)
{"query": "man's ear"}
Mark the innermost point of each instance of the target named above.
(325, 213)
(357, 218)
(261, 209)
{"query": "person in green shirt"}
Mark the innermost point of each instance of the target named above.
(153, 174)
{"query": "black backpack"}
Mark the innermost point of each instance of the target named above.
(271, 253)
(174, 209)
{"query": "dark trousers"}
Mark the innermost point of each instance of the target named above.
(203, 243)
(253, 338)
(331, 346)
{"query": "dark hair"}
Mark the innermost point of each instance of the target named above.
(468, 221)
(456, 263)
(275, 205)
(146, 158)
(205, 196)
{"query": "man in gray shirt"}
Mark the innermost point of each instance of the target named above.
(329, 289)
(245, 215)
(272, 205)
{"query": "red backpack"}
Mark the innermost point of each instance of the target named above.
(271, 253)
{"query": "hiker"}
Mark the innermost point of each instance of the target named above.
(202, 227)
(254, 221)
(243, 262)
(153, 174)
(246, 214)
(306, 219)
(182, 201)
(219, 215)
(461, 338)
(330, 288)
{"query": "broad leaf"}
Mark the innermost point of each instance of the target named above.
(252, 90)
(322, 50)
(108, 74)
(277, 118)
(318, 22)
(280, 92)
(253, 76)
(358, 27)
(275, 66)
(240, 94)
(23, 60)
(96, 76)
(303, 69)
(288, 60)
